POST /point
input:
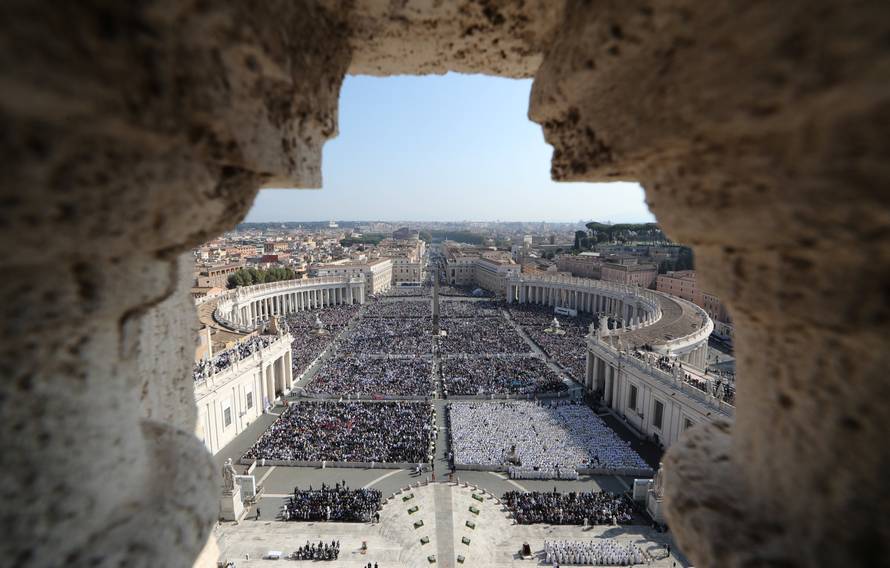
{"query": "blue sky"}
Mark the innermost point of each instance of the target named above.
(443, 148)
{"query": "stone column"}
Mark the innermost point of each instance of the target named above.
(609, 385)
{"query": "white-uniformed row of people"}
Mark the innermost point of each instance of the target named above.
(601, 552)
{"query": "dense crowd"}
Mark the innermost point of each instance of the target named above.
(399, 309)
(225, 359)
(465, 291)
(337, 503)
(305, 348)
(567, 351)
(534, 435)
(575, 508)
(306, 345)
(488, 335)
(410, 336)
(468, 309)
(567, 348)
(349, 432)
(350, 375)
(320, 551)
(602, 552)
(407, 291)
(499, 375)
(333, 318)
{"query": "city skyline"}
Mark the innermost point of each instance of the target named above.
(443, 148)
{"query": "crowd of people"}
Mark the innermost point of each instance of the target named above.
(499, 375)
(569, 351)
(567, 348)
(575, 508)
(537, 435)
(378, 432)
(205, 368)
(320, 551)
(305, 348)
(601, 552)
(348, 375)
(337, 503)
(717, 384)
(333, 318)
(399, 309)
(483, 335)
(408, 336)
(406, 291)
(465, 291)
(306, 345)
(468, 309)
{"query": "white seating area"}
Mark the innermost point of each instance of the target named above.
(545, 436)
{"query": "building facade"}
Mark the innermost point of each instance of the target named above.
(229, 401)
(642, 275)
(488, 269)
(584, 265)
(377, 273)
(210, 276)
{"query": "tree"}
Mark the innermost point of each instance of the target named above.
(579, 237)
(685, 260)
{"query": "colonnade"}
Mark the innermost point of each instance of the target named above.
(245, 307)
(630, 308)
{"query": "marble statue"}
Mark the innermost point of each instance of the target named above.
(228, 471)
(604, 326)
(555, 323)
(658, 486)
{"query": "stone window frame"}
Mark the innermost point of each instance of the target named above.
(655, 414)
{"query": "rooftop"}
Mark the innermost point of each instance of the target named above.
(678, 319)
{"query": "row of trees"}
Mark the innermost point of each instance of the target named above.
(251, 276)
(368, 239)
(620, 232)
(467, 237)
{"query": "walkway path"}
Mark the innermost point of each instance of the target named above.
(444, 525)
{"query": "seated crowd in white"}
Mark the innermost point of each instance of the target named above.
(545, 435)
(603, 552)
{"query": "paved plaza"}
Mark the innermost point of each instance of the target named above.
(443, 497)
(444, 510)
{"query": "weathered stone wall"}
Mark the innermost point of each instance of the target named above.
(759, 133)
(134, 131)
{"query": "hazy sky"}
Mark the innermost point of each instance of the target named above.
(443, 148)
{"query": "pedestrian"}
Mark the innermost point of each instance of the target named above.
(257, 513)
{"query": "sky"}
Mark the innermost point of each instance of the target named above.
(443, 148)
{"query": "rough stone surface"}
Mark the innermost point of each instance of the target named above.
(495, 37)
(134, 131)
(759, 134)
